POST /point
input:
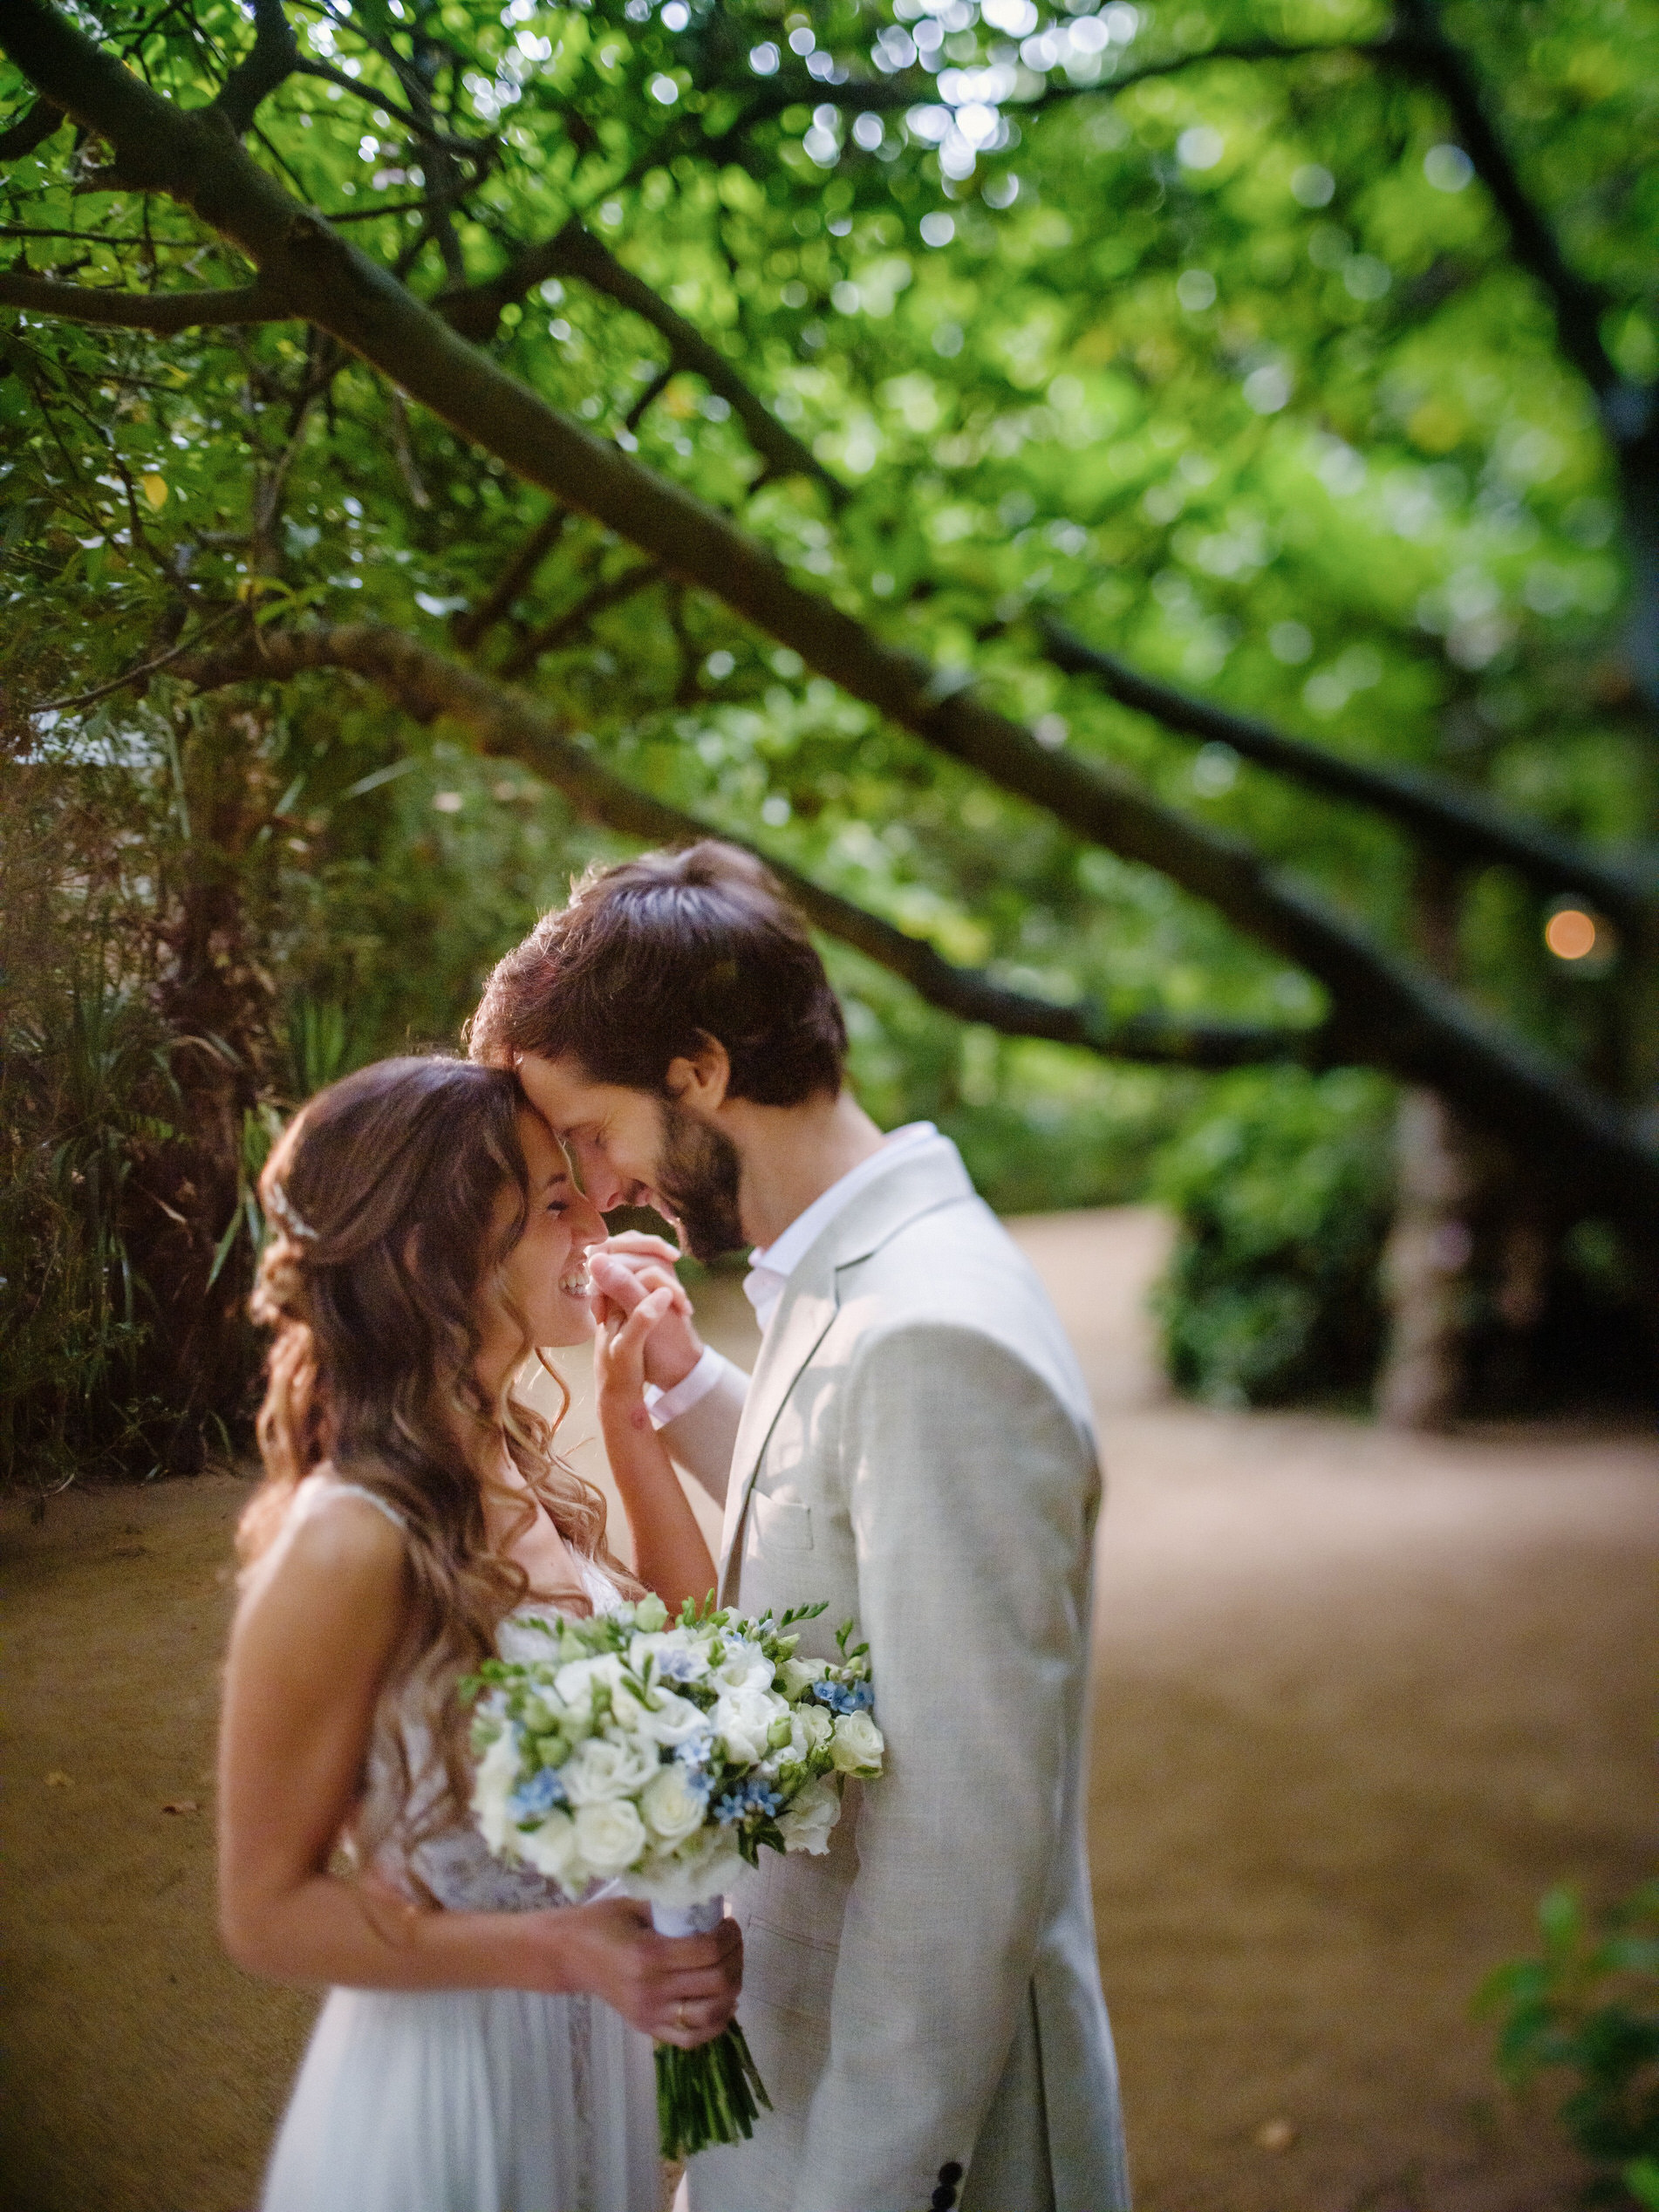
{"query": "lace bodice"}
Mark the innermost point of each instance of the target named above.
(454, 1866)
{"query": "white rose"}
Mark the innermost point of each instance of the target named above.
(707, 1864)
(603, 1769)
(743, 1720)
(575, 1681)
(550, 1848)
(809, 1730)
(678, 1652)
(493, 1785)
(671, 1807)
(796, 1676)
(857, 1745)
(805, 1825)
(609, 1836)
(668, 1719)
(744, 1666)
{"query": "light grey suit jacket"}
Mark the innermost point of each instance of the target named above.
(916, 1447)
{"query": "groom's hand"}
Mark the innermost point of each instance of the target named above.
(625, 1270)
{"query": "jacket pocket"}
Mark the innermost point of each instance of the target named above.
(781, 1525)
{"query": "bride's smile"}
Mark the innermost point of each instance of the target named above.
(544, 1293)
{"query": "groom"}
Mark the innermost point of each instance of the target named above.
(914, 1446)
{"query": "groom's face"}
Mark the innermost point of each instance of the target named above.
(636, 1149)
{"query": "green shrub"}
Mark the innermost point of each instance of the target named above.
(1588, 2008)
(75, 1311)
(1279, 1182)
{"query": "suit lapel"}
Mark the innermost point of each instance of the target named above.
(806, 1310)
(932, 1176)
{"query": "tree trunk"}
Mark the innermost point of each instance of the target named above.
(216, 1002)
(1428, 1261)
(1426, 1266)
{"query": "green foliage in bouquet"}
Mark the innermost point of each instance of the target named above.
(1588, 2008)
(1279, 1182)
(711, 2095)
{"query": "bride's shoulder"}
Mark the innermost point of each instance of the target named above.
(328, 1486)
(335, 1560)
(335, 1522)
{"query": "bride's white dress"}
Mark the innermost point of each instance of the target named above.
(465, 2100)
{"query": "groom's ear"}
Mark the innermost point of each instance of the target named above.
(700, 1080)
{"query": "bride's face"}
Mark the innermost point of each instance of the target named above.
(546, 1273)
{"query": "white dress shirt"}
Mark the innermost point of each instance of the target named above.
(771, 1266)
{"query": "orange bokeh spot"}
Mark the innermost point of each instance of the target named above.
(1570, 934)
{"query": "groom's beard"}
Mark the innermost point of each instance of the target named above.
(698, 1173)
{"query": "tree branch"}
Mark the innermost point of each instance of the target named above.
(506, 724)
(1630, 412)
(1461, 825)
(1419, 44)
(31, 129)
(270, 61)
(575, 252)
(165, 312)
(611, 593)
(138, 675)
(482, 150)
(469, 629)
(1386, 1013)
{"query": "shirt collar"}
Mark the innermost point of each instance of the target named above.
(771, 1267)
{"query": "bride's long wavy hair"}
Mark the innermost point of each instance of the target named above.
(382, 1264)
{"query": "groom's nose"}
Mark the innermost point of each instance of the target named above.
(601, 1184)
(587, 1223)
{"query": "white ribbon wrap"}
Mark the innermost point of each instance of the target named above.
(688, 1920)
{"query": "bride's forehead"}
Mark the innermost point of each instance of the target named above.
(544, 1154)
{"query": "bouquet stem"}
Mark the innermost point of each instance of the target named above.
(708, 2095)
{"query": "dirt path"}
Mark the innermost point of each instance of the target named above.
(1361, 1699)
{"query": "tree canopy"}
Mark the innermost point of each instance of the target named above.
(1113, 500)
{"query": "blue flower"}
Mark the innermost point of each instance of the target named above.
(674, 1665)
(697, 1779)
(844, 1696)
(535, 1800)
(752, 1796)
(696, 1750)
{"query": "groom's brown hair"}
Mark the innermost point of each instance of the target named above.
(654, 956)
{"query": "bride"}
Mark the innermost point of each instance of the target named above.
(485, 2046)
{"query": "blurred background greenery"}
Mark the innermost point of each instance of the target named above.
(1215, 330)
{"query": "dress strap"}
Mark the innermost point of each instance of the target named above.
(601, 1592)
(357, 1489)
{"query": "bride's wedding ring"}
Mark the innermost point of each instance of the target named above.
(679, 2017)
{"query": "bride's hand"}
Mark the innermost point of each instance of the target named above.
(619, 1358)
(627, 1269)
(675, 1989)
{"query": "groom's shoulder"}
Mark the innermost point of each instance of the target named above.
(954, 1269)
(958, 1231)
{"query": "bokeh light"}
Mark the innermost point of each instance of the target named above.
(1570, 933)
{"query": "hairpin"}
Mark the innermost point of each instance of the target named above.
(287, 1216)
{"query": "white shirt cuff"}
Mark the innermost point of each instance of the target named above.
(664, 1406)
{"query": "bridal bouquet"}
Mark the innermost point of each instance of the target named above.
(663, 1756)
